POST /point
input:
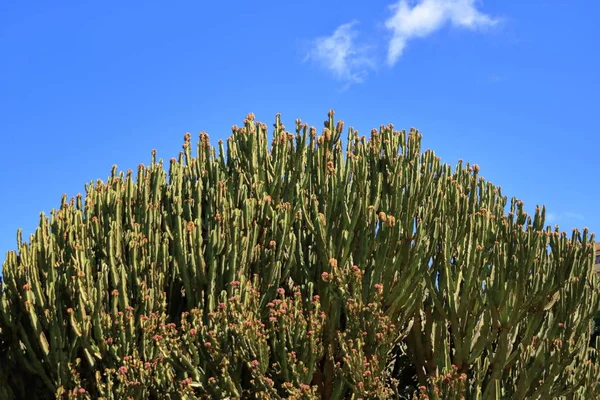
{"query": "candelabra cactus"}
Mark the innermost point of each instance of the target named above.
(298, 270)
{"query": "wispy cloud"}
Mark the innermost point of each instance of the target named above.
(412, 20)
(351, 61)
(341, 54)
(572, 215)
(566, 217)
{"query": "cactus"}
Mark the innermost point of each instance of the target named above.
(298, 270)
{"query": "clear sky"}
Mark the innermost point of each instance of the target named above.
(511, 85)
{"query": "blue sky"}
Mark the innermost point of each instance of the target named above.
(510, 85)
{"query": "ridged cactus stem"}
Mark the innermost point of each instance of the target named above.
(298, 266)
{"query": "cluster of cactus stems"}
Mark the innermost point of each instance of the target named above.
(297, 270)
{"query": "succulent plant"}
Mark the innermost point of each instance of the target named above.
(297, 269)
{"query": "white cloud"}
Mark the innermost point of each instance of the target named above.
(572, 215)
(569, 216)
(340, 54)
(427, 16)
